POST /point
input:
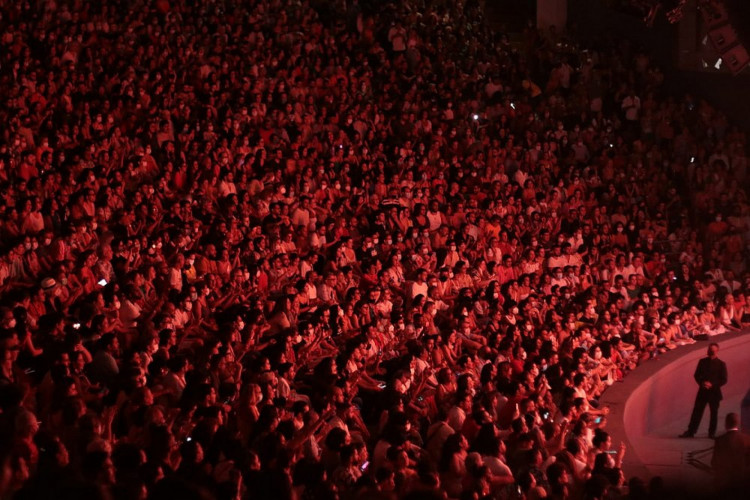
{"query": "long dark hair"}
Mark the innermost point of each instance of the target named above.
(451, 446)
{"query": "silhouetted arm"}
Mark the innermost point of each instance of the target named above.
(723, 374)
(699, 376)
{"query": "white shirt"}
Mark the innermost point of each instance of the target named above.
(175, 279)
(456, 418)
(435, 219)
(497, 466)
(317, 240)
(129, 313)
(301, 217)
(418, 289)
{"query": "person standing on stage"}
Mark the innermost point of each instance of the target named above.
(711, 375)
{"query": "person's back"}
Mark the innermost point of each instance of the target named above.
(731, 458)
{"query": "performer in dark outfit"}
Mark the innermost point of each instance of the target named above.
(711, 375)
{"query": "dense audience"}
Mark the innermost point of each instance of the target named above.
(299, 249)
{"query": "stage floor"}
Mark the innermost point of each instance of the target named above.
(684, 464)
(652, 406)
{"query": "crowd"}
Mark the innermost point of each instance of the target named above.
(318, 250)
(651, 10)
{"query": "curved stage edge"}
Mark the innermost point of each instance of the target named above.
(652, 406)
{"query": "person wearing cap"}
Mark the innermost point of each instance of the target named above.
(48, 284)
(53, 301)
